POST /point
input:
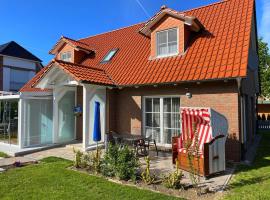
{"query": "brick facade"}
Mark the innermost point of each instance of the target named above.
(126, 107)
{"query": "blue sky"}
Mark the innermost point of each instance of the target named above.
(37, 25)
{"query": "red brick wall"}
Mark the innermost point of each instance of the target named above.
(222, 97)
(167, 23)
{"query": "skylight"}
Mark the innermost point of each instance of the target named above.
(109, 55)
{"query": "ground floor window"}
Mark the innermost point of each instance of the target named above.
(162, 118)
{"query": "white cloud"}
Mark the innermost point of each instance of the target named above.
(265, 21)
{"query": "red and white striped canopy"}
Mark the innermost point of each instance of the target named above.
(199, 117)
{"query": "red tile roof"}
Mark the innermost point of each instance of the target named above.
(85, 73)
(220, 52)
(74, 43)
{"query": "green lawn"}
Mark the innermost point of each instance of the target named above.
(253, 182)
(52, 180)
(3, 155)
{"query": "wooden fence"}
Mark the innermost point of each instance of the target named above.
(263, 124)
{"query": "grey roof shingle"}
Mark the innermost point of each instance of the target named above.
(14, 49)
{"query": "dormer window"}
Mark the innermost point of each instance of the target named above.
(66, 56)
(167, 42)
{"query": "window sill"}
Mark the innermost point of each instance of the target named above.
(165, 56)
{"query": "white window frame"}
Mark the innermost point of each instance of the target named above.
(177, 40)
(66, 53)
(161, 97)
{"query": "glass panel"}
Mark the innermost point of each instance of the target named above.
(175, 121)
(156, 134)
(167, 136)
(167, 104)
(172, 35)
(167, 120)
(172, 48)
(46, 122)
(148, 105)
(148, 119)
(39, 122)
(109, 55)
(156, 120)
(66, 117)
(162, 37)
(162, 49)
(156, 105)
(176, 105)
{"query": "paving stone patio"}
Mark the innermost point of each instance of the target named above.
(160, 165)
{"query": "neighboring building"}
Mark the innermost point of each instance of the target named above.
(17, 66)
(143, 74)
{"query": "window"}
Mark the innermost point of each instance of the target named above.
(167, 42)
(66, 56)
(162, 118)
(109, 55)
(19, 78)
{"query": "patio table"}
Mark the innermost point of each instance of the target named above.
(129, 139)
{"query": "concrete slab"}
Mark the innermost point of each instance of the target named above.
(14, 150)
(61, 152)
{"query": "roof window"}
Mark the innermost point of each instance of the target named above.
(109, 55)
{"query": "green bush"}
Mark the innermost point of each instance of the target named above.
(120, 162)
(109, 163)
(127, 164)
(173, 180)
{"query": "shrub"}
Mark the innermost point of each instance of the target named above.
(146, 175)
(127, 164)
(121, 162)
(173, 180)
(108, 166)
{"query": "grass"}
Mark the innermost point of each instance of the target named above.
(52, 180)
(3, 155)
(253, 182)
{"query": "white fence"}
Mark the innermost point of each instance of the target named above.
(263, 124)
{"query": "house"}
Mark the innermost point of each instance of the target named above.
(144, 73)
(17, 66)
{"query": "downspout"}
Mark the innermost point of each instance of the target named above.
(242, 117)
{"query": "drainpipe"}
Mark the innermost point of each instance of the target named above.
(242, 117)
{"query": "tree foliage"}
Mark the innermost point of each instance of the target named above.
(264, 67)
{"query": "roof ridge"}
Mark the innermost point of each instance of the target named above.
(200, 7)
(118, 29)
(74, 40)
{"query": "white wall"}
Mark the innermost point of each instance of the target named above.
(18, 76)
(91, 94)
(16, 62)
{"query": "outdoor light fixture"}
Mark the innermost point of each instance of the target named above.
(188, 94)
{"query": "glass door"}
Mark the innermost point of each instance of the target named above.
(162, 118)
(171, 119)
(66, 118)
